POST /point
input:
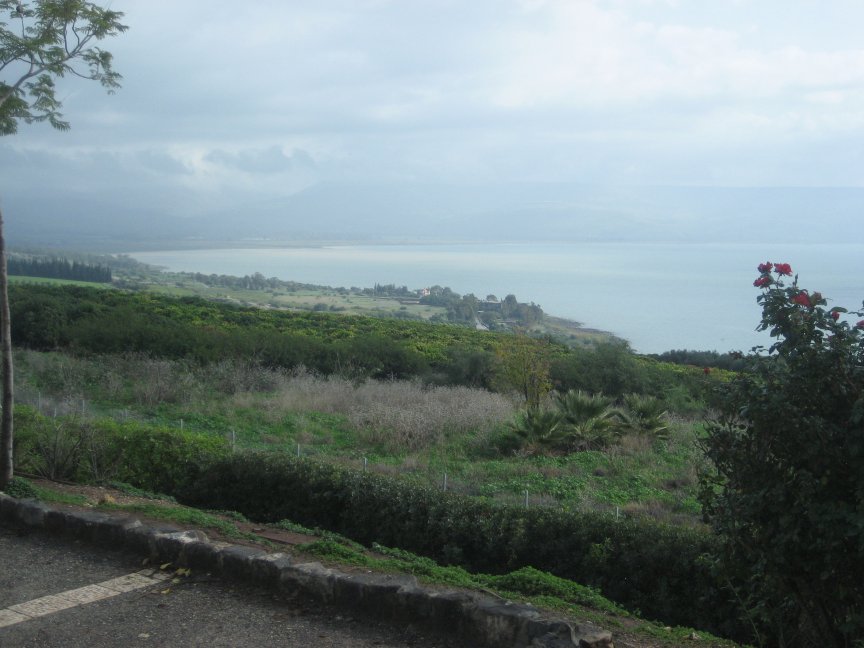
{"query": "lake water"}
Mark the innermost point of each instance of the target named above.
(656, 296)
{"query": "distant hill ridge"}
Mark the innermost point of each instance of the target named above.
(426, 213)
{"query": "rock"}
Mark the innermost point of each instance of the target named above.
(589, 635)
(600, 639)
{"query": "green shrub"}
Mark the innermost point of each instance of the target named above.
(786, 491)
(93, 321)
(533, 582)
(20, 488)
(161, 459)
(154, 458)
(642, 565)
(134, 491)
(52, 447)
(609, 368)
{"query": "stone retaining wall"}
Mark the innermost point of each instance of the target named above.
(479, 619)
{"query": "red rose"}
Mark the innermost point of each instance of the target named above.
(761, 282)
(803, 299)
(835, 315)
(766, 267)
(860, 324)
(783, 268)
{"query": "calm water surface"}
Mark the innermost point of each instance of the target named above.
(657, 296)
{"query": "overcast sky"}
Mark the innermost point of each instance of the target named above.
(222, 101)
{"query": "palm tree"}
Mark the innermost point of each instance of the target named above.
(646, 415)
(590, 420)
(537, 428)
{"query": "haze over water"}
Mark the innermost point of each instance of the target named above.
(656, 296)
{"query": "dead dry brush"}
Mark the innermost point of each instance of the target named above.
(396, 415)
(399, 415)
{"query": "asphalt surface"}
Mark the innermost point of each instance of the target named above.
(199, 610)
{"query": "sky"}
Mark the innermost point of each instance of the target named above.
(227, 104)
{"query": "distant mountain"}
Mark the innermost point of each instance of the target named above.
(423, 212)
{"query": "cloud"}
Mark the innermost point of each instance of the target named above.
(579, 55)
(161, 162)
(267, 160)
(223, 101)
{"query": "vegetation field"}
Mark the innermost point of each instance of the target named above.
(314, 299)
(430, 403)
(402, 428)
(494, 450)
(49, 281)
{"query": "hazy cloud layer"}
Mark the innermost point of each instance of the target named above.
(226, 102)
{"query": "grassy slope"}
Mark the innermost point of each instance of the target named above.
(401, 428)
(56, 282)
(313, 298)
(333, 300)
(542, 590)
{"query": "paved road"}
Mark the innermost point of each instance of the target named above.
(139, 611)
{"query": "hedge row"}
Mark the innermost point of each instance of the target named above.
(156, 458)
(659, 570)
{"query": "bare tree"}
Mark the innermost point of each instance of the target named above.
(40, 42)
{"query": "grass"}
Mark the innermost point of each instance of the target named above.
(526, 585)
(59, 497)
(185, 516)
(56, 282)
(128, 489)
(322, 298)
(401, 428)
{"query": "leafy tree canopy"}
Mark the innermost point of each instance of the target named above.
(45, 40)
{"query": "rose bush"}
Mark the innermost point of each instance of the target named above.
(786, 488)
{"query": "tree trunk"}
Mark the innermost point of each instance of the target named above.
(6, 436)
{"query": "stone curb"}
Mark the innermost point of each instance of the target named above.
(476, 618)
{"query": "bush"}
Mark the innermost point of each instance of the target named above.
(656, 569)
(155, 458)
(785, 494)
(20, 488)
(161, 459)
(609, 368)
(470, 367)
